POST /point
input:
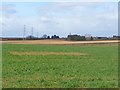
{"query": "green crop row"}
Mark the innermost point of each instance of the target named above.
(98, 69)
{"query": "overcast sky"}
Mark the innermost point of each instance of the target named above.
(60, 18)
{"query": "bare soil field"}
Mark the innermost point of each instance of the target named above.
(59, 42)
(47, 53)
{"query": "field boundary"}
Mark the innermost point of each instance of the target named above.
(60, 42)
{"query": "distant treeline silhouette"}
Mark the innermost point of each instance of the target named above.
(69, 37)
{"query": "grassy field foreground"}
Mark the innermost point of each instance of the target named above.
(60, 66)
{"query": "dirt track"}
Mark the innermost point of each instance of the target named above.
(61, 42)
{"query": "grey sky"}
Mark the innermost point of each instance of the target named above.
(60, 18)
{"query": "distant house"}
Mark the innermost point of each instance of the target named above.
(75, 38)
(30, 37)
(94, 38)
(89, 38)
(116, 37)
(102, 38)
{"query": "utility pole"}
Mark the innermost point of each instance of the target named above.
(37, 34)
(32, 31)
(24, 34)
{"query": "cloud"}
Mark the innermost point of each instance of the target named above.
(82, 17)
(8, 10)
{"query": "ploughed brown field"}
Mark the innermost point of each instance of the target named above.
(64, 42)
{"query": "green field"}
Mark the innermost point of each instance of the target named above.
(97, 69)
